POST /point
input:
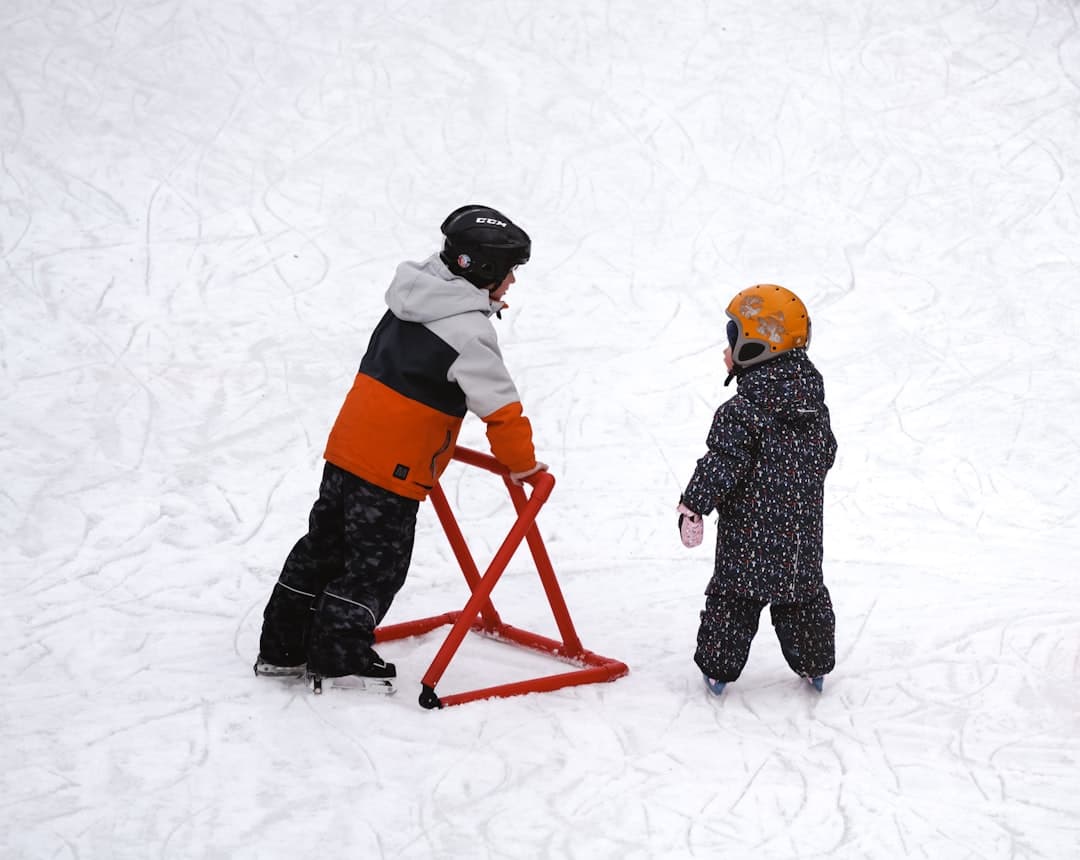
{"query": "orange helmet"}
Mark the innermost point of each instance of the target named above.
(766, 320)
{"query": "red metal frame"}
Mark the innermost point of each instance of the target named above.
(479, 613)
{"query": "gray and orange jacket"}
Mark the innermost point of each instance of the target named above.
(433, 357)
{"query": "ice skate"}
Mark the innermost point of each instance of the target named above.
(715, 687)
(378, 677)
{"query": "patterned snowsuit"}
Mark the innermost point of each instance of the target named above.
(769, 449)
(432, 358)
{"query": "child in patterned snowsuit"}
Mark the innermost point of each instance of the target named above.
(432, 358)
(769, 449)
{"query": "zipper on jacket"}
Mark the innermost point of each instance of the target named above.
(442, 450)
(795, 570)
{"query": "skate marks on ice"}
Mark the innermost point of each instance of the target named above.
(197, 203)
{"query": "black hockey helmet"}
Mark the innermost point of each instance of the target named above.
(482, 245)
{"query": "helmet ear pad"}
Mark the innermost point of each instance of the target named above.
(748, 353)
(482, 270)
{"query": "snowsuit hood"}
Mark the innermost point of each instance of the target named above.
(788, 388)
(425, 291)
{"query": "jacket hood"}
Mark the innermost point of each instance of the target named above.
(427, 291)
(787, 387)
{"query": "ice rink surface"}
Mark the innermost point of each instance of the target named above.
(201, 204)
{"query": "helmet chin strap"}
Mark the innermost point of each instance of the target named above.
(491, 297)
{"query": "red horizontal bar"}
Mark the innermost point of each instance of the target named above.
(546, 684)
(419, 627)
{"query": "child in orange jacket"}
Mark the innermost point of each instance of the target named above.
(432, 358)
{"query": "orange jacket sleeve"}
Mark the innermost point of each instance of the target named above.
(510, 435)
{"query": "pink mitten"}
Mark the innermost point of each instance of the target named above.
(691, 526)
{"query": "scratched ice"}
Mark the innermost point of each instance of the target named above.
(200, 206)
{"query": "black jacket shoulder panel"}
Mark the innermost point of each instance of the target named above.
(411, 359)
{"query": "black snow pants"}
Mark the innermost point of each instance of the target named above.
(340, 578)
(807, 634)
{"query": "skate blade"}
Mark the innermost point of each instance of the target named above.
(287, 673)
(355, 684)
